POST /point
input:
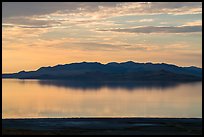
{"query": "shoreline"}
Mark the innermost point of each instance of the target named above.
(102, 126)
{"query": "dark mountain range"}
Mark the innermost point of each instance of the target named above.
(113, 71)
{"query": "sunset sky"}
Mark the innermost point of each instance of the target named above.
(46, 34)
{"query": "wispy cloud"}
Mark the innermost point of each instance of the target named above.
(56, 13)
(194, 23)
(142, 20)
(29, 22)
(157, 29)
(42, 8)
(146, 20)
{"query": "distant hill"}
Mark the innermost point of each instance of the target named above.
(113, 71)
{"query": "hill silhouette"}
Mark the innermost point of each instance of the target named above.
(113, 71)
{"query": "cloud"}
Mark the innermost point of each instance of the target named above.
(57, 14)
(174, 5)
(144, 8)
(194, 23)
(87, 46)
(14, 33)
(158, 29)
(104, 46)
(6, 25)
(142, 20)
(28, 22)
(12, 9)
(146, 20)
(98, 9)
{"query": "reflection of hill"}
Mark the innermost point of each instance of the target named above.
(91, 85)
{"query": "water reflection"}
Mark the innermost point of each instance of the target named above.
(34, 98)
(129, 86)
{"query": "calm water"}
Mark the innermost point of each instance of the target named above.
(34, 98)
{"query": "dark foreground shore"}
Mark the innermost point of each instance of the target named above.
(103, 126)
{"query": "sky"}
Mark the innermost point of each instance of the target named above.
(36, 34)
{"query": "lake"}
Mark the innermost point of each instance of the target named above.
(65, 99)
